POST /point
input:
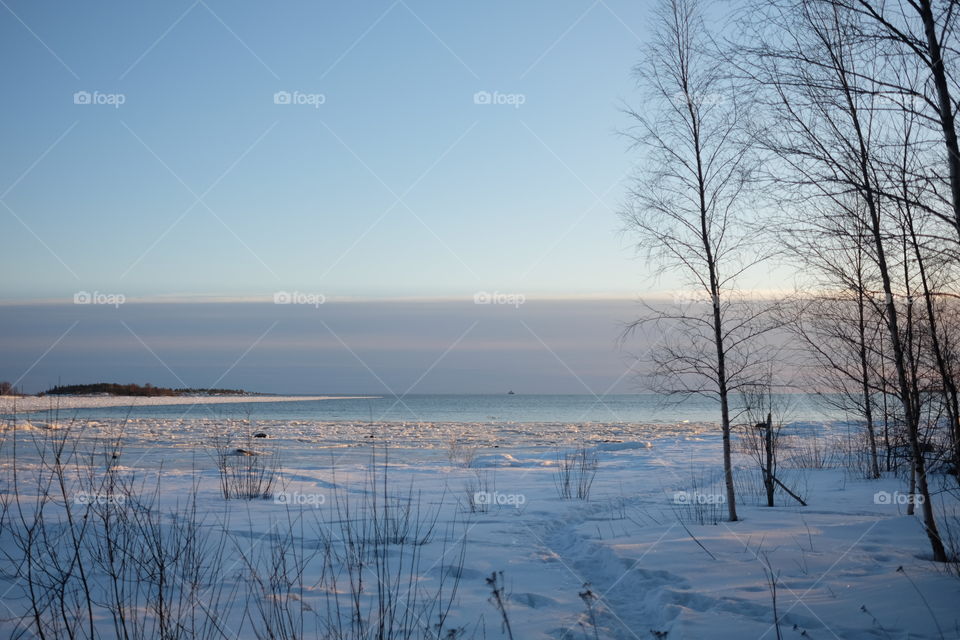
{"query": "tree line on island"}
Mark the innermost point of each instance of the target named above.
(132, 389)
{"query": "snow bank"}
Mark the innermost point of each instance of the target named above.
(26, 404)
(848, 566)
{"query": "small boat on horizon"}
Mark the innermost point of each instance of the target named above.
(511, 393)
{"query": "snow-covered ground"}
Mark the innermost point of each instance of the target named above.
(27, 404)
(647, 555)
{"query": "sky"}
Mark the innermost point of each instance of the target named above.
(360, 153)
(381, 348)
(382, 176)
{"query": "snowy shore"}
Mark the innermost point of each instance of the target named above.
(26, 404)
(648, 545)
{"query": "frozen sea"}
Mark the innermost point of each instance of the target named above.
(570, 408)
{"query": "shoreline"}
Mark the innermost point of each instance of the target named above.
(33, 404)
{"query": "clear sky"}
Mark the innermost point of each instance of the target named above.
(373, 154)
(387, 180)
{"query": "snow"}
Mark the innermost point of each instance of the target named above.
(846, 566)
(27, 404)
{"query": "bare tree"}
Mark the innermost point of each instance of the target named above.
(924, 33)
(932, 262)
(835, 320)
(765, 412)
(829, 128)
(685, 213)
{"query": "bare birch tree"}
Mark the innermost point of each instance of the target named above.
(829, 127)
(925, 33)
(686, 214)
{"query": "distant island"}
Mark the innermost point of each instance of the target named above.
(114, 389)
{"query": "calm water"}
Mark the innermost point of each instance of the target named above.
(643, 408)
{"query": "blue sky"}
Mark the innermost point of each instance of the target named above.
(397, 185)
(428, 151)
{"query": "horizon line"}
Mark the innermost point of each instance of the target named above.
(319, 298)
